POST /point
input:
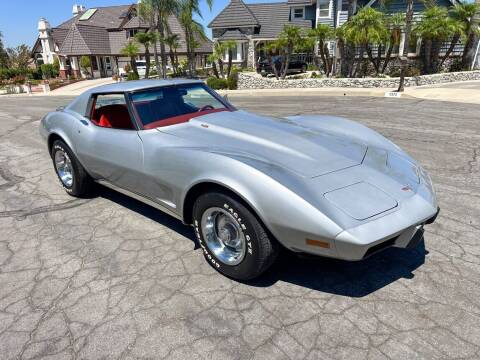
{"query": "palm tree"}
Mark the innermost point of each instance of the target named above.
(193, 29)
(173, 43)
(145, 39)
(404, 56)
(147, 12)
(395, 24)
(290, 39)
(131, 50)
(164, 9)
(468, 17)
(434, 28)
(321, 34)
(365, 28)
(229, 46)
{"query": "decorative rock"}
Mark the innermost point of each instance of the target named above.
(253, 81)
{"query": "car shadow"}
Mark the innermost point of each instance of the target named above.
(147, 211)
(345, 278)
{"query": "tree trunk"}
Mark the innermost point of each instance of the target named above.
(427, 57)
(163, 55)
(469, 50)
(147, 62)
(215, 70)
(133, 64)
(372, 60)
(435, 55)
(220, 65)
(229, 67)
(453, 43)
(322, 56)
(388, 55)
(404, 57)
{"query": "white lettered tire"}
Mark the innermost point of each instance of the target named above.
(259, 249)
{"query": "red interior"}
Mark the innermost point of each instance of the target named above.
(113, 116)
(180, 118)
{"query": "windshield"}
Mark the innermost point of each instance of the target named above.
(174, 104)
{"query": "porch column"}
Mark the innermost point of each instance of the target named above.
(251, 53)
(63, 67)
(76, 73)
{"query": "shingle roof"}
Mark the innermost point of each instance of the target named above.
(299, 2)
(86, 40)
(136, 23)
(270, 17)
(233, 35)
(109, 17)
(235, 14)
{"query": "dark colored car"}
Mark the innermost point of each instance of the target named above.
(264, 67)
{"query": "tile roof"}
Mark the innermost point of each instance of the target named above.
(235, 14)
(86, 40)
(109, 17)
(104, 33)
(299, 2)
(270, 17)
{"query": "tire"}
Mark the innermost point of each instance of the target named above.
(260, 250)
(81, 183)
(304, 69)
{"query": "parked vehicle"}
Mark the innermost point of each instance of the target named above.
(141, 68)
(264, 67)
(248, 184)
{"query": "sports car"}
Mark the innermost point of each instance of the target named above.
(249, 185)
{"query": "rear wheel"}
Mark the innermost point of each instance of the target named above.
(71, 174)
(234, 242)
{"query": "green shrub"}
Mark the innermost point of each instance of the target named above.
(311, 67)
(456, 65)
(132, 76)
(48, 71)
(217, 84)
(411, 71)
(232, 80)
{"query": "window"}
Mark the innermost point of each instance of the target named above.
(324, 8)
(174, 104)
(298, 13)
(237, 53)
(110, 111)
(131, 33)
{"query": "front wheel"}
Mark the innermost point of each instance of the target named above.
(71, 174)
(233, 241)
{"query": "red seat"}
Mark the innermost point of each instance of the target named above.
(114, 116)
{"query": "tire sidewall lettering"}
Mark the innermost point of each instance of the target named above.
(248, 238)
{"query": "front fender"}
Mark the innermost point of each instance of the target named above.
(281, 207)
(61, 124)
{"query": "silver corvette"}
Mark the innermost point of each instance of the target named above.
(248, 184)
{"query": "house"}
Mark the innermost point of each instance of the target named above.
(100, 33)
(253, 25)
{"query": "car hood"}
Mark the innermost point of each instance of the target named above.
(305, 151)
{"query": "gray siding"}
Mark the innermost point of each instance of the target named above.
(395, 6)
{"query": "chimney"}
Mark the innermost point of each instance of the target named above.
(77, 9)
(43, 25)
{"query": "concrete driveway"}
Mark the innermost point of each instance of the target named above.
(109, 277)
(465, 92)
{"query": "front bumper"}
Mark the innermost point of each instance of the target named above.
(358, 244)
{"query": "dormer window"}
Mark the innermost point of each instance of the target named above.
(298, 13)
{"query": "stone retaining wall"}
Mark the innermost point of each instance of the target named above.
(252, 81)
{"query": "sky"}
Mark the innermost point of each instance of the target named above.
(19, 18)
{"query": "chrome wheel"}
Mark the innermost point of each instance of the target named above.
(223, 235)
(63, 165)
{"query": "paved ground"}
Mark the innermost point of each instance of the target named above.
(108, 277)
